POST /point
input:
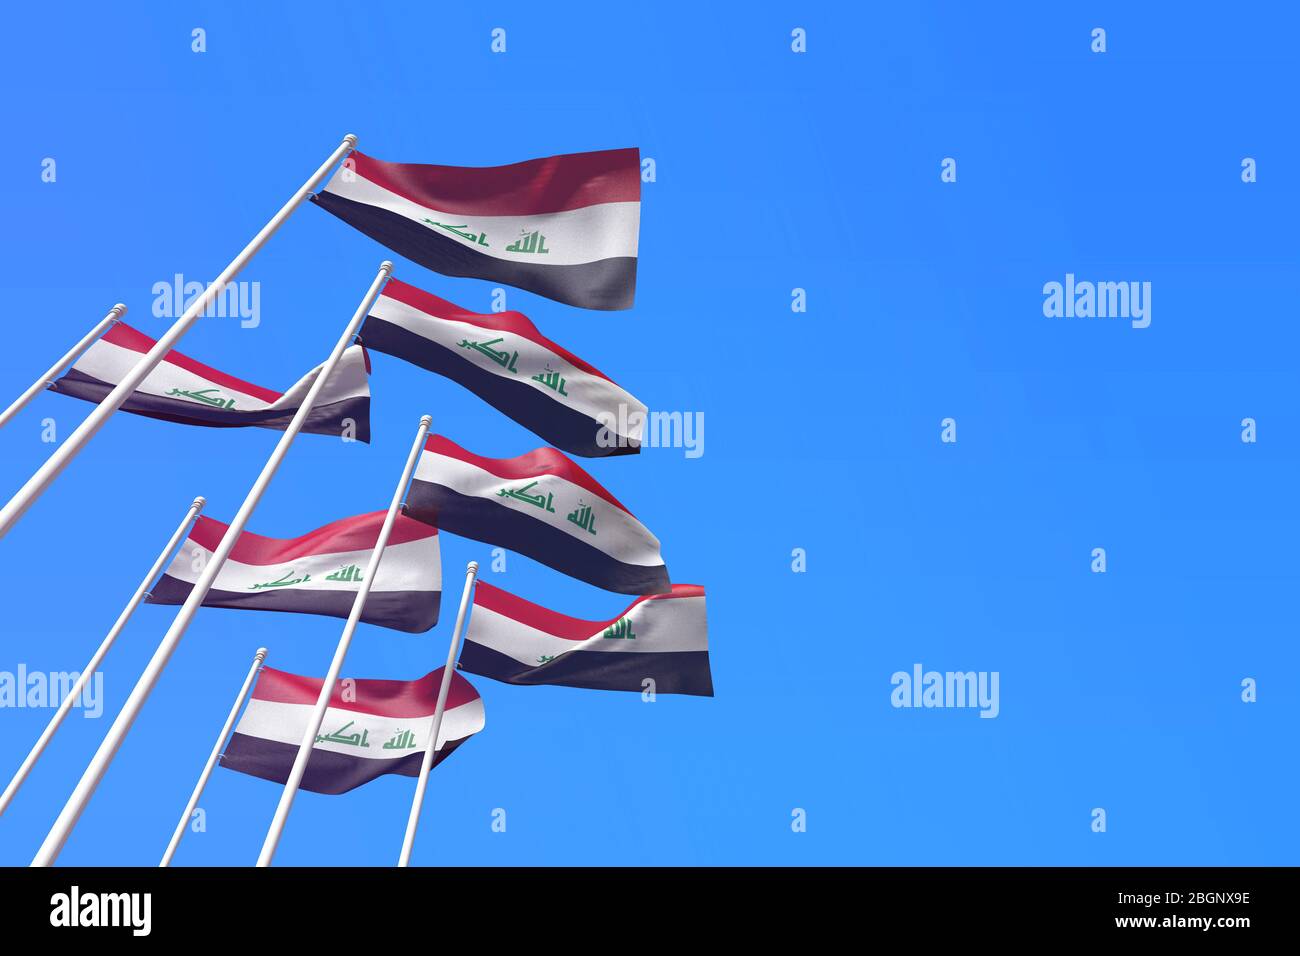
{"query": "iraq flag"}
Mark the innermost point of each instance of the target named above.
(663, 638)
(319, 573)
(542, 505)
(565, 227)
(182, 390)
(377, 727)
(502, 358)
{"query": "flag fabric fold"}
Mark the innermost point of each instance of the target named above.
(182, 390)
(661, 637)
(318, 573)
(565, 227)
(372, 728)
(507, 362)
(541, 505)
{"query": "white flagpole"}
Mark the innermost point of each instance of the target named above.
(345, 641)
(85, 789)
(432, 745)
(54, 465)
(253, 671)
(41, 383)
(89, 670)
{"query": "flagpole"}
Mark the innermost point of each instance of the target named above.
(43, 382)
(85, 789)
(253, 671)
(291, 785)
(89, 670)
(54, 465)
(431, 747)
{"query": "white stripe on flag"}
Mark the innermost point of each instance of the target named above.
(660, 625)
(111, 363)
(408, 566)
(285, 723)
(573, 237)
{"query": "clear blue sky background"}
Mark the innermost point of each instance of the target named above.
(775, 171)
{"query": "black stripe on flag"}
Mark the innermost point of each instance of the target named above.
(674, 672)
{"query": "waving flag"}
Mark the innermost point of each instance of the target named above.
(565, 227)
(377, 727)
(503, 359)
(318, 573)
(540, 504)
(191, 393)
(662, 637)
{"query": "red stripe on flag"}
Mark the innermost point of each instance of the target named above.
(384, 698)
(347, 534)
(534, 187)
(539, 461)
(123, 336)
(514, 322)
(561, 625)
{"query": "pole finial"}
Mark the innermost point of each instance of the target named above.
(119, 310)
(351, 140)
(472, 568)
(386, 267)
(426, 421)
(261, 653)
(199, 502)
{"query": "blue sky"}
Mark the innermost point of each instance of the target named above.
(775, 171)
